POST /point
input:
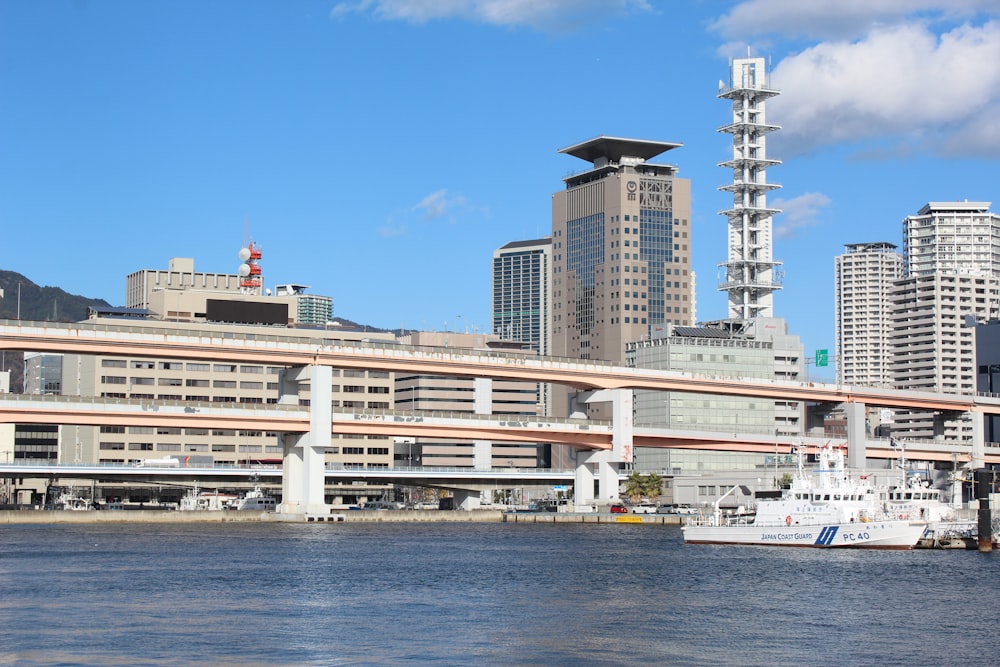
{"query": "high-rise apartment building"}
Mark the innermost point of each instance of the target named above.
(863, 280)
(749, 275)
(522, 293)
(952, 266)
(621, 249)
(310, 308)
(952, 237)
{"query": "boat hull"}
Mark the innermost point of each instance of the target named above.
(876, 535)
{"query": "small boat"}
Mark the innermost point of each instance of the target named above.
(72, 502)
(196, 500)
(826, 508)
(948, 526)
(254, 500)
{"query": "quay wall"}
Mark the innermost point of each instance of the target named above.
(11, 517)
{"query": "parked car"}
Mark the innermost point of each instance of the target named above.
(618, 508)
(674, 508)
(644, 508)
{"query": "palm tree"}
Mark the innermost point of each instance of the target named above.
(654, 486)
(638, 486)
(635, 486)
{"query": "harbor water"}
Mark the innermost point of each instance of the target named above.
(479, 593)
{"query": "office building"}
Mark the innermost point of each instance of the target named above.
(182, 295)
(621, 249)
(140, 286)
(863, 280)
(762, 349)
(43, 373)
(522, 293)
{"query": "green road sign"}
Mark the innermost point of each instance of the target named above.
(822, 357)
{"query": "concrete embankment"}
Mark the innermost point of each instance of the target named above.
(352, 516)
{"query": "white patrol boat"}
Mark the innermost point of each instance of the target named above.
(254, 500)
(824, 509)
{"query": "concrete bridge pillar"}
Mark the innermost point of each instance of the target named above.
(583, 483)
(482, 404)
(468, 499)
(978, 440)
(593, 466)
(857, 436)
(603, 465)
(303, 479)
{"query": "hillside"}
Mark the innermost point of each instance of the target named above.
(22, 297)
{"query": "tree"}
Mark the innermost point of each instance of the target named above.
(638, 486)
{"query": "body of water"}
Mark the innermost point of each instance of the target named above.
(474, 594)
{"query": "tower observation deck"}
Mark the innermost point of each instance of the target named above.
(749, 274)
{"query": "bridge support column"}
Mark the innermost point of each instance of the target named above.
(857, 452)
(468, 500)
(978, 440)
(593, 466)
(583, 483)
(603, 465)
(303, 480)
(482, 404)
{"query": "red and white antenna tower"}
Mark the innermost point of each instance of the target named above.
(251, 279)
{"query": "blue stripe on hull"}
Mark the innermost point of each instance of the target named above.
(826, 536)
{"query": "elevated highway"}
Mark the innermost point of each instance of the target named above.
(310, 428)
(287, 349)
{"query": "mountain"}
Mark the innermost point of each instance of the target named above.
(23, 299)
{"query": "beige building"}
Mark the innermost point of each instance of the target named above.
(621, 249)
(215, 383)
(180, 276)
(485, 396)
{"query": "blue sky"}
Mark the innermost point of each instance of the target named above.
(379, 151)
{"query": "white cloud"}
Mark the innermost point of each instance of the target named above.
(539, 14)
(836, 19)
(902, 82)
(437, 204)
(894, 77)
(798, 213)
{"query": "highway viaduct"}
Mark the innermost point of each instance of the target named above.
(604, 445)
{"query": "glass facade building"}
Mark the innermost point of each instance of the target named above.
(522, 293)
(621, 253)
